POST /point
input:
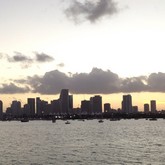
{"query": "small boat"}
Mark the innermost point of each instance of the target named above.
(25, 120)
(53, 120)
(67, 122)
(100, 121)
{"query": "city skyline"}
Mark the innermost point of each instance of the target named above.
(64, 104)
(106, 47)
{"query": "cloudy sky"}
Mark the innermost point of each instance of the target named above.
(107, 47)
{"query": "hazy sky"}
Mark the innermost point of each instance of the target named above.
(90, 47)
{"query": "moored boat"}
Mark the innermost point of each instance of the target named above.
(67, 122)
(101, 121)
(25, 120)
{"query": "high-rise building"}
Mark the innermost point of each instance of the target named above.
(1, 109)
(26, 110)
(146, 108)
(127, 104)
(153, 106)
(64, 101)
(70, 104)
(16, 108)
(96, 104)
(38, 106)
(134, 109)
(107, 107)
(31, 103)
(44, 107)
(55, 107)
(85, 107)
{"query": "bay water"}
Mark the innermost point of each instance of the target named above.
(82, 142)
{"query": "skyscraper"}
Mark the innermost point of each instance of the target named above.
(146, 108)
(64, 101)
(55, 107)
(31, 103)
(107, 107)
(153, 106)
(38, 106)
(16, 108)
(71, 104)
(85, 107)
(96, 104)
(127, 104)
(1, 109)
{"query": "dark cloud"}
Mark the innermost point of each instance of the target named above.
(90, 10)
(134, 84)
(12, 89)
(19, 57)
(95, 82)
(42, 57)
(51, 83)
(26, 61)
(156, 82)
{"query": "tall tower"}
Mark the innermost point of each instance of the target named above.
(85, 107)
(107, 107)
(31, 103)
(96, 103)
(38, 106)
(153, 106)
(16, 108)
(64, 101)
(70, 104)
(1, 109)
(127, 104)
(146, 108)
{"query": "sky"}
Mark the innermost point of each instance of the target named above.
(106, 47)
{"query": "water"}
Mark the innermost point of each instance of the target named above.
(81, 143)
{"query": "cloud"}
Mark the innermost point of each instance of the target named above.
(27, 61)
(19, 57)
(156, 82)
(61, 65)
(97, 81)
(91, 11)
(1, 55)
(42, 57)
(51, 83)
(134, 84)
(12, 89)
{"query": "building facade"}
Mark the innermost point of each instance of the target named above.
(127, 104)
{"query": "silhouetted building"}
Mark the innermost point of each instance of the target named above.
(85, 107)
(96, 104)
(55, 107)
(38, 106)
(44, 107)
(135, 109)
(31, 102)
(70, 104)
(64, 101)
(127, 104)
(107, 107)
(1, 109)
(153, 106)
(16, 108)
(47, 110)
(26, 110)
(146, 108)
